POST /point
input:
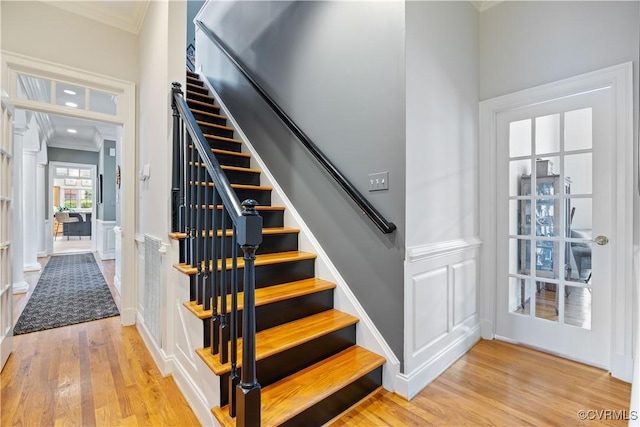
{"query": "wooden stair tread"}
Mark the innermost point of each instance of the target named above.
(294, 394)
(221, 138)
(283, 337)
(226, 152)
(217, 116)
(238, 186)
(262, 259)
(268, 295)
(205, 104)
(231, 168)
(213, 125)
(265, 231)
(199, 94)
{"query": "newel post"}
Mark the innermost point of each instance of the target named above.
(248, 391)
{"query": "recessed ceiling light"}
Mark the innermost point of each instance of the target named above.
(72, 131)
(71, 104)
(69, 92)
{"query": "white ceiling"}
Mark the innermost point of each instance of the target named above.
(122, 14)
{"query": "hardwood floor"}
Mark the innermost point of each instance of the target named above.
(100, 373)
(91, 374)
(497, 383)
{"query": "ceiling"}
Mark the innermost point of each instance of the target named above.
(89, 135)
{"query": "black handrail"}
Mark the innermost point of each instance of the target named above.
(201, 246)
(368, 209)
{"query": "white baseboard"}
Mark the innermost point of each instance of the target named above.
(192, 394)
(486, 329)
(128, 317)
(32, 267)
(20, 288)
(158, 355)
(410, 384)
(106, 255)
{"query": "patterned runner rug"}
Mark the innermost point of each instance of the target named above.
(71, 290)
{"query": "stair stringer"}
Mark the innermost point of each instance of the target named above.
(367, 335)
(198, 383)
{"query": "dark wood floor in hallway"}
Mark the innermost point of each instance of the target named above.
(100, 373)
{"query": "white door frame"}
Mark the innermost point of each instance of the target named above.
(620, 78)
(13, 63)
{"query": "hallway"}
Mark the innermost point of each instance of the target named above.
(93, 373)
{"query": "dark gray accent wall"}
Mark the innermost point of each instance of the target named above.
(337, 68)
(73, 156)
(193, 7)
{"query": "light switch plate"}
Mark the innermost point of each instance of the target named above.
(378, 181)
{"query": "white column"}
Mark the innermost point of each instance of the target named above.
(19, 284)
(41, 216)
(29, 215)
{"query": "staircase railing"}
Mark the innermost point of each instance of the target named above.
(367, 208)
(203, 202)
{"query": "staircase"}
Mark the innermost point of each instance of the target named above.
(307, 361)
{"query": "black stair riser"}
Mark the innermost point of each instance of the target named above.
(213, 130)
(281, 365)
(224, 145)
(206, 108)
(231, 160)
(270, 219)
(271, 243)
(194, 87)
(197, 96)
(281, 312)
(239, 177)
(338, 402)
(210, 119)
(263, 197)
(270, 315)
(274, 274)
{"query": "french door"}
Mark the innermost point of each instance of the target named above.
(555, 218)
(6, 191)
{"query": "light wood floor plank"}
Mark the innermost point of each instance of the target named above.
(497, 383)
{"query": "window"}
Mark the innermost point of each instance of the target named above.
(76, 198)
(70, 198)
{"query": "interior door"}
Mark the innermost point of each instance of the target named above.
(6, 279)
(555, 220)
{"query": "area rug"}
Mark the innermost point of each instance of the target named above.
(71, 290)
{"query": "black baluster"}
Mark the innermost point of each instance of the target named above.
(206, 240)
(199, 246)
(224, 328)
(215, 317)
(234, 379)
(175, 172)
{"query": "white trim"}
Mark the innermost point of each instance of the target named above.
(368, 335)
(126, 116)
(159, 356)
(32, 267)
(20, 288)
(105, 249)
(620, 79)
(425, 252)
(408, 385)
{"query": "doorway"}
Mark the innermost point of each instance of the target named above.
(554, 204)
(556, 218)
(72, 201)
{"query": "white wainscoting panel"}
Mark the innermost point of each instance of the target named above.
(106, 239)
(430, 314)
(441, 310)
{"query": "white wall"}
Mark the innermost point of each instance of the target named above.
(441, 191)
(36, 29)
